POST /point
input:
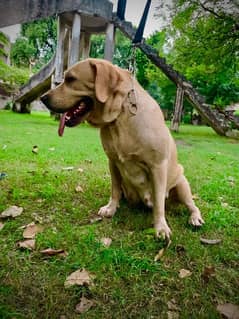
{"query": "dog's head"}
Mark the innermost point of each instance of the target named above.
(92, 90)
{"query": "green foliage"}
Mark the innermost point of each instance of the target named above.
(97, 46)
(3, 40)
(13, 75)
(23, 52)
(37, 43)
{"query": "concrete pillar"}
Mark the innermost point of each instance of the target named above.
(69, 46)
(59, 64)
(109, 42)
(86, 48)
(75, 40)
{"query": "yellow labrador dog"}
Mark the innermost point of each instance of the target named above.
(141, 151)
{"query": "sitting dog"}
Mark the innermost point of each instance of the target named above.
(141, 151)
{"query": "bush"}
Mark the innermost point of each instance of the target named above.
(13, 75)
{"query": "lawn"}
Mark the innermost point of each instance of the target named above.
(127, 283)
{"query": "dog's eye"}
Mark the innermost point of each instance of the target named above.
(70, 79)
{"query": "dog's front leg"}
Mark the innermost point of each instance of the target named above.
(110, 209)
(159, 184)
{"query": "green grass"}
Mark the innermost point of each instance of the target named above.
(128, 283)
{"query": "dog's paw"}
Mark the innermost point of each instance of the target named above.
(163, 231)
(107, 211)
(196, 219)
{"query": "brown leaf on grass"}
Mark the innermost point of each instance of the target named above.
(229, 311)
(159, 254)
(180, 249)
(96, 219)
(195, 196)
(172, 305)
(208, 272)
(68, 168)
(1, 226)
(210, 241)
(183, 273)
(172, 315)
(79, 189)
(106, 241)
(80, 277)
(84, 305)
(12, 211)
(31, 230)
(162, 251)
(27, 244)
(35, 149)
(53, 252)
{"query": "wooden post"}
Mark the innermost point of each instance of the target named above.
(59, 51)
(75, 40)
(178, 108)
(109, 42)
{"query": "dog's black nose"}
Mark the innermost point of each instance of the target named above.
(45, 100)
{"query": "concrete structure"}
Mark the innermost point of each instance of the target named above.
(77, 20)
(73, 40)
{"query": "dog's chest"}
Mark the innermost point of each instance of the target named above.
(126, 155)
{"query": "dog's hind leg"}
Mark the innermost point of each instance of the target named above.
(185, 196)
(116, 192)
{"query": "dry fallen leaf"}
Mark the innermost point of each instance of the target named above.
(96, 219)
(79, 189)
(183, 273)
(84, 305)
(1, 226)
(53, 252)
(208, 272)
(106, 241)
(229, 311)
(68, 168)
(35, 149)
(210, 241)
(159, 254)
(31, 230)
(27, 244)
(195, 196)
(172, 305)
(80, 277)
(162, 251)
(12, 211)
(172, 315)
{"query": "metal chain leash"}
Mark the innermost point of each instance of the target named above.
(132, 93)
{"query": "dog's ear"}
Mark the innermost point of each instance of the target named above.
(110, 90)
(107, 80)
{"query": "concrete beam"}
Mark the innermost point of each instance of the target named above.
(19, 11)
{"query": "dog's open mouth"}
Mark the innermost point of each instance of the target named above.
(75, 115)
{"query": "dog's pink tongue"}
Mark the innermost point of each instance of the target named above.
(62, 124)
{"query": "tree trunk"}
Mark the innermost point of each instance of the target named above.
(178, 108)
